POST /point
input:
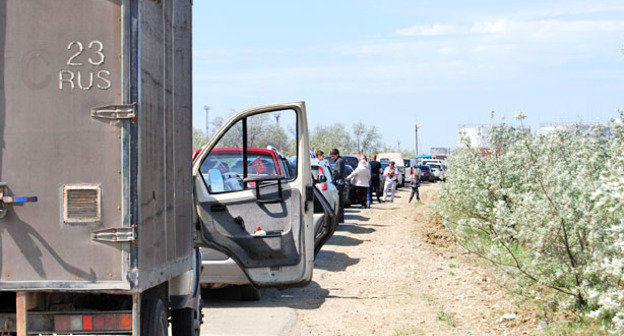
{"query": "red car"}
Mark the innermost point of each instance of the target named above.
(229, 161)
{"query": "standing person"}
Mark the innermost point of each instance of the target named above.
(390, 174)
(375, 168)
(415, 184)
(369, 200)
(361, 179)
(320, 155)
(338, 175)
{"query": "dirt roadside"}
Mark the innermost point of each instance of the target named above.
(388, 270)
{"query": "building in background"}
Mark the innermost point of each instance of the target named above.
(478, 136)
(554, 128)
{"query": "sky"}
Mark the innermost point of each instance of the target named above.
(397, 63)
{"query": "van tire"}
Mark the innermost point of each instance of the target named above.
(154, 317)
(249, 293)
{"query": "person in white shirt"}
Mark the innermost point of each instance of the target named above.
(390, 175)
(360, 178)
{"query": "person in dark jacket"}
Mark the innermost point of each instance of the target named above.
(338, 176)
(375, 167)
(415, 184)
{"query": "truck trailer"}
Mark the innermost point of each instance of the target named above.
(96, 205)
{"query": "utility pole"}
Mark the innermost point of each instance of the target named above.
(416, 127)
(207, 109)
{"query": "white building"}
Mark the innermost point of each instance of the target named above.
(554, 128)
(479, 135)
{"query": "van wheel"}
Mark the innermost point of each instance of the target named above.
(154, 317)
(249, 293)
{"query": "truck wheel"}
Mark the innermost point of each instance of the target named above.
(186, 322)
(154, 317)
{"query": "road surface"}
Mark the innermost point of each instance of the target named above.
(389, 270)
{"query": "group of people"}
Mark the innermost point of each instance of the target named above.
(366, 179)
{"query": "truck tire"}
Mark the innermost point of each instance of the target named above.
(154, 317)
(186, 322)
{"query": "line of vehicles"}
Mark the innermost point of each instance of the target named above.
(430, 170)
(220, 270)
(106, 226)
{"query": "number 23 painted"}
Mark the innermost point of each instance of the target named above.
(99, 54)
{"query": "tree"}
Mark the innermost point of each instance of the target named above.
(199, 139)
(326, 138)
(366, 138)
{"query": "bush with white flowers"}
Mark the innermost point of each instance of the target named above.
(548, 209)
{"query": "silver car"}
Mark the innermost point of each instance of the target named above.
(438, 171)
(327, 188)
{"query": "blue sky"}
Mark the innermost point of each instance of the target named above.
(397, 62)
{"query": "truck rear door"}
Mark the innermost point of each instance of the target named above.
(57, 149)
(261, 219)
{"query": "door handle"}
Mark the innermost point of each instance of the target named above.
(217, 208)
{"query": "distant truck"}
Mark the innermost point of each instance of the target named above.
(96, 206)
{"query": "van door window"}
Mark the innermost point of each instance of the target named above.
(222, 168)
(268, 136)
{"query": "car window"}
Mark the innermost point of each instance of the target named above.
(227, 164)
(348, 169)
(222, 168)
(351, 160)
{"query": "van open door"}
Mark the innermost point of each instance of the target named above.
(248, 205)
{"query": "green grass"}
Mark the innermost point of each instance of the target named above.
(452, 266)
(447, 318)
(581, 328)
(429, 298)
(404, 331)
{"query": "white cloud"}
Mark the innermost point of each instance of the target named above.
(426, 30)
(505, 27)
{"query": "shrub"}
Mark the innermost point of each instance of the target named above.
(548, 209)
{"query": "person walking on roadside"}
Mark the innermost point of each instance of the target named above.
(390, 173)
(338, 175)
(415, 184)
(360, 178)
(375, 169)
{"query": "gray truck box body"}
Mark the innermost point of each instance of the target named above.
(95, 169)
